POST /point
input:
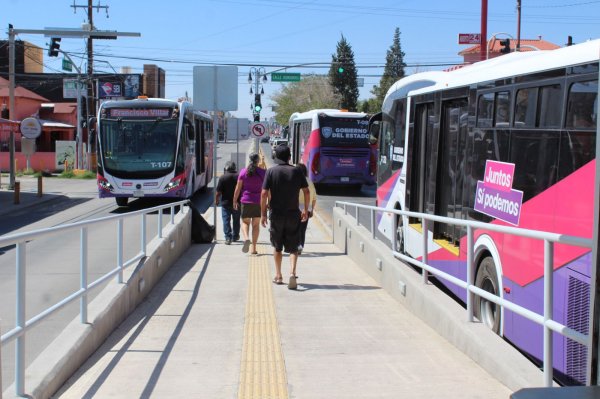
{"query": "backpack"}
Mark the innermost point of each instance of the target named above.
(202, 231)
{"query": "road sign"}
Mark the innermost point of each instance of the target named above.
(258, 129)
(469, 38)
(285, 77)
(67, 65)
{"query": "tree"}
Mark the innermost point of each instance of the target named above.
(393, 71)
(311, 92)
(342, 75)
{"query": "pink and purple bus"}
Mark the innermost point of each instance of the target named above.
(508, 141)
(152, 148)
(334, 145)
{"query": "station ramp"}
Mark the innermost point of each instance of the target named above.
(216, 326)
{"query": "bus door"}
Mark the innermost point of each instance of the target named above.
(199, 147)
(417, 152)
(294, 143)
(450, 168)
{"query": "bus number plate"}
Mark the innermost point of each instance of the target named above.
(345, 179)
(138, 193)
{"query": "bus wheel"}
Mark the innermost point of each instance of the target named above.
(487, 279)
(399, 235)
(121, 201)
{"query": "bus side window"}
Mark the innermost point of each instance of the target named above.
(525, 108)
(581, 105)
(502, 109)
(485, 108)
(550, 105)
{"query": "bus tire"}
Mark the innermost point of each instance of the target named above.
(487, 279)
(399, 235)
(121, 201)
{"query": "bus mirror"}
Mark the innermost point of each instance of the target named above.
(92, 122)
(374, 132)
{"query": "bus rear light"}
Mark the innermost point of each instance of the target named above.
(175, 182)
(315, 166)
(373, 164)
(104, 184)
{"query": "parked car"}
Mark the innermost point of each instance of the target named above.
(278, 141)
(264, 139)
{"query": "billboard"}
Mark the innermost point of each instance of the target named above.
(128, 86)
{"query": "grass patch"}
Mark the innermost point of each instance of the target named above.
(77, 174)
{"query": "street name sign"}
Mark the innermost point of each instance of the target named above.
(285, 77)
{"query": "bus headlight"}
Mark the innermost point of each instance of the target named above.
(104, 184)
(175, 182)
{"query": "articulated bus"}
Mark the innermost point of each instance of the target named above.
(152, 148)
(334, 145)
(508, 141)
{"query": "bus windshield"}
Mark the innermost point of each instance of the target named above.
(346, 132)
(138, 148)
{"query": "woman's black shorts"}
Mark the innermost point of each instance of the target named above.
(250, 211)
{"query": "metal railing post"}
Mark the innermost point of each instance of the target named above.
(160, 223)
(83, 265)
(548, 296)
(394, 232)
(356, 215)
(373, 227)
(172, 215)
(120, 250)
(143, 235)
(424, 226)
(470, 273)
(20, 319)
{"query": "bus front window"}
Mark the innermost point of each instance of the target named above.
(140, 148)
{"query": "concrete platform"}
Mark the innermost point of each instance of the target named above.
(216, 326)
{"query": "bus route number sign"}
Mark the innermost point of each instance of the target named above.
(258, 129)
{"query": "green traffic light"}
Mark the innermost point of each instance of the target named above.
(257, 108)
(340, 70)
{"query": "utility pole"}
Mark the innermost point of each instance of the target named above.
(518, 46)
(91, 100)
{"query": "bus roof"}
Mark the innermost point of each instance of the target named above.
(329, 112)
(513, 64)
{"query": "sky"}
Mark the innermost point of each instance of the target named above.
(271, 35)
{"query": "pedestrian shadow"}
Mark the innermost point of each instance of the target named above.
(348, 287)
(134, 324)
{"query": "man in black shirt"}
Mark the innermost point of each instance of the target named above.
(280, 190)
(225, 190)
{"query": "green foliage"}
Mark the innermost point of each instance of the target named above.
(343, 76)
(311, 92)
(394, 70)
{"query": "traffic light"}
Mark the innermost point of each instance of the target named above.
(54, 46)
(505, 46)
(257, 104)
(340, 70)
(256, 118)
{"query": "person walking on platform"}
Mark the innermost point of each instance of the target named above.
(229, 213)
(280, 191)
(247, 191)
(311, 208)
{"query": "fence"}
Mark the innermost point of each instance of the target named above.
(22, 326)
(550, 239)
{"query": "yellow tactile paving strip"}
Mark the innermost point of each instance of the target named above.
(262, 373)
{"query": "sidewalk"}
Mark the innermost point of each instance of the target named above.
(52, 188)
(216, 327)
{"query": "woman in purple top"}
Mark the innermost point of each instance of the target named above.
(248, 190)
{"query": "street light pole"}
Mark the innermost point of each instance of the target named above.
(11, 103)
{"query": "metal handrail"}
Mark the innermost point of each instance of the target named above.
(545, 320)
(22, 326)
